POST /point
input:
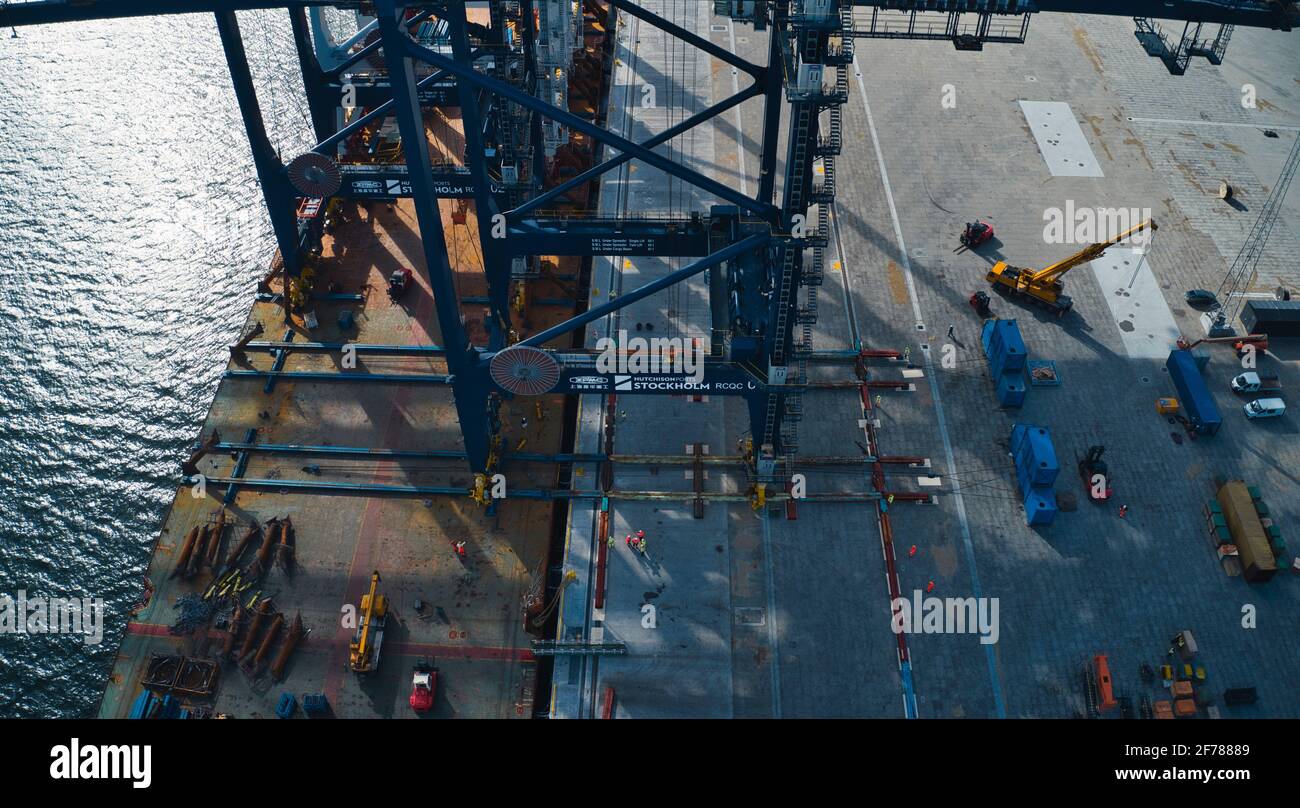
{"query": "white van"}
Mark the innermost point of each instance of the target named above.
(1265, 408)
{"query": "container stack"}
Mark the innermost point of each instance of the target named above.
(1249, 539)
(1005, 350)
(1036, 472)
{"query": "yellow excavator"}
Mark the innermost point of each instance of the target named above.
(363, 653)
(1045, 286)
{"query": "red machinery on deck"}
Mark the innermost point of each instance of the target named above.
(424, 686)
(975, 234)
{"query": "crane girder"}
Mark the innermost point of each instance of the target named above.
(1278, 14)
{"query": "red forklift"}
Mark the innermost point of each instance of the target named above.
(424, 686)
(975, 234)
(1092, 467)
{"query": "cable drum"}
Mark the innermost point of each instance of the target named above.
(315, 175)
(525, 371)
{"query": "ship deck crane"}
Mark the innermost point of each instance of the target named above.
(363, 653)
(1046, 286)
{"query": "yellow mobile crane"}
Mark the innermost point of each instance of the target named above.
(1045, 286)
(363, 656)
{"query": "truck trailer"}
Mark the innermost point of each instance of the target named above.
(1197, 401)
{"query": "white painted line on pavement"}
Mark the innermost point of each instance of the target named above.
(906, 263)
(1182, 122)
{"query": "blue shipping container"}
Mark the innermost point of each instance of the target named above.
(1040, 507)
(1007, 361)
(1011, 389)
(1193, 395)
(1040, 462)
(1035, 456)
(1017, 437)
(1010, 346)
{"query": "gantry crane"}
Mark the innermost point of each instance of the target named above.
(1046, 286)
(509, 81)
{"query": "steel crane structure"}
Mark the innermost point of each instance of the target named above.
(1241, 271)
(768, 250)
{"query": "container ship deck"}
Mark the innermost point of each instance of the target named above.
(283, 431)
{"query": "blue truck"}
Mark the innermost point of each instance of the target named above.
(1194, 395)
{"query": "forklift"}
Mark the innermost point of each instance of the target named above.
(424, 687)
(1092, 466)
(975, 234)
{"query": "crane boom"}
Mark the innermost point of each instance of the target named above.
(1045, 287)
(364, 649)
(1089, 253)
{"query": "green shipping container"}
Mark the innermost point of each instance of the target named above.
(1257, 561)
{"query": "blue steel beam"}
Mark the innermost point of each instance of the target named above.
(380, 489)
(381, 111)
(538, 202)
(471, 394)
(689, 37)
(1255, 13)
(361, 349)
(271, 174)
(415, 146)
(535, 123)
(52, 11)
(441, 379)
(372, 90)
(626, 237)
(496, 261)
(372, 48)
(754, 242)
(319, 101)
(395, 454)
(280, 358)
(773, 104)
(241, 466)
(329, 50)
(470, 75)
